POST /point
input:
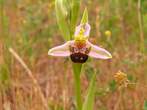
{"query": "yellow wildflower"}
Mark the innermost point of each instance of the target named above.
(120, 78)
(108, 33)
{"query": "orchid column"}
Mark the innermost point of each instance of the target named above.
(79, 49)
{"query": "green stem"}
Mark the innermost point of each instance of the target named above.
(140, 22)
(2, 17)
(77, 70)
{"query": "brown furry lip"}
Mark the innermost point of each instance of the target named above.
(79, 57)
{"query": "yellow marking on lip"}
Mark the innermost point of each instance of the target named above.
(82, 31)
(81, 37)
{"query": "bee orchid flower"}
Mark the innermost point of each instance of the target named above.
(80, 48)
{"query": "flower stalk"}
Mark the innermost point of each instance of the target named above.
(79, 49)
(77, 67)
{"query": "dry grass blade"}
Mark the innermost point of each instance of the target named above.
(31, 76)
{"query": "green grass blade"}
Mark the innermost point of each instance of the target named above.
(61, 15)
(89, 101)
(145, 105)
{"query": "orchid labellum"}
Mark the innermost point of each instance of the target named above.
(80, 48)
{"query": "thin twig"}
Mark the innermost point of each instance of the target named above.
(31, 76)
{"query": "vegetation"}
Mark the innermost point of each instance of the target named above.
(32, 80)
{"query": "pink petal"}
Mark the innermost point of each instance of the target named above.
(97, 52)
(62, 50)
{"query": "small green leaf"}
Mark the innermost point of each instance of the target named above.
(145, 105)
(89, 101)
(112, 85)
(85, 17)
(61, 15)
